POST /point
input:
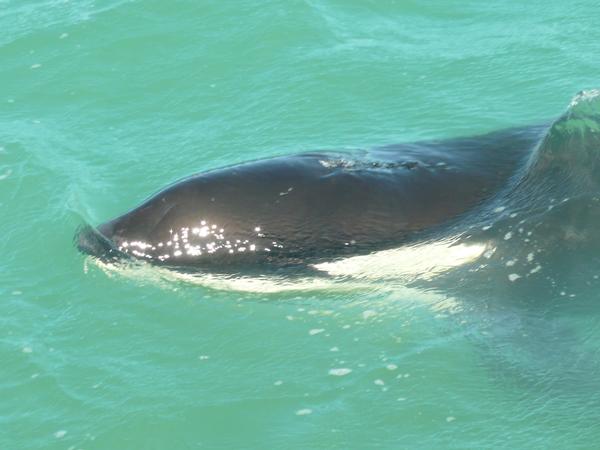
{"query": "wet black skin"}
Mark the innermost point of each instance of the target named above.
(314, 206)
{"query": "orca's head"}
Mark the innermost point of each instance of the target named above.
(140, 233)
(92, 241)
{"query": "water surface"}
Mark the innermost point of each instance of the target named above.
(104, 103)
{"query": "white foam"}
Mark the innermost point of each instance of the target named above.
(584, 96)
(340, 372)
(536, 269)
(489, 253)
(368, 314)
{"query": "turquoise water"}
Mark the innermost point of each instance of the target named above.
(104, 103)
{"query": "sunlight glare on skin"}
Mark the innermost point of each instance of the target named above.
(180, 245)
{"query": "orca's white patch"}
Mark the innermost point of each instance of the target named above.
(410, 263)
(402, 266)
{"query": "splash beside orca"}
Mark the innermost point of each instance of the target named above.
(314, 207)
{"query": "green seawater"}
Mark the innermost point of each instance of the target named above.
(102, 103)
